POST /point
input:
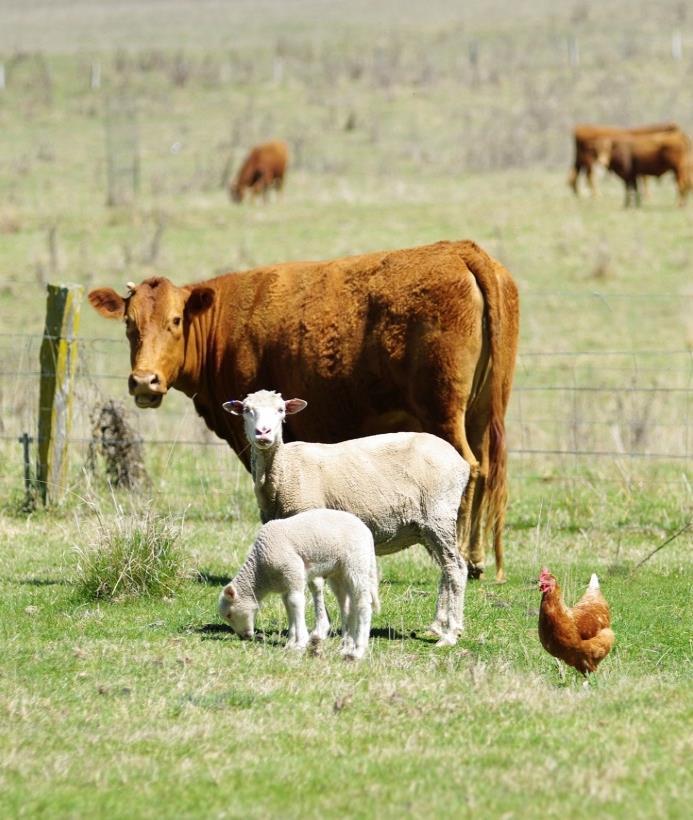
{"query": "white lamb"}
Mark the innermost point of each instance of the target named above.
(406, 487)
(287, 553)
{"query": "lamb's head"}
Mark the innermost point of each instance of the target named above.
(237, 611)
(263, 413)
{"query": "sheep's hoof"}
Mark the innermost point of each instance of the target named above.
(449, 639)
(436, 628)
(296, 646)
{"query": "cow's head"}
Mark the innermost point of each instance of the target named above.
(157, 317)
(236, 191)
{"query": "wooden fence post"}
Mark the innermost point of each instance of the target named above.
(58, 365)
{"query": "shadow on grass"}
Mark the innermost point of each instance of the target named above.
(219, 632)
(209, 578)
(38, 582)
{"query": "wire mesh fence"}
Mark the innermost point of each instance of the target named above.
(603, 410)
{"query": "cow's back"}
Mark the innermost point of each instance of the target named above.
(350, 335)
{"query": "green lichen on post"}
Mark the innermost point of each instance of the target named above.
(58, 360)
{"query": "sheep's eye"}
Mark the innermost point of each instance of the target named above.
(176, 321)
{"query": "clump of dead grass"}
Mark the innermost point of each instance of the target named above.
(131, 555)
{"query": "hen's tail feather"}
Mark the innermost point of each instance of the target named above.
(594, 582)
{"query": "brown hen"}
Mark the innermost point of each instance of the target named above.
(581, 636)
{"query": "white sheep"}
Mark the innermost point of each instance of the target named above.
(406, 487)
(329, 544)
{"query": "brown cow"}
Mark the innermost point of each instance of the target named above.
(421, 339)
(587, 144)
(264, 168)
(648, 155)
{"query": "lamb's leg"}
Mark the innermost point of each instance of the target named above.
(359, 623)
(341, 594)
(322, 621)
(295, 603)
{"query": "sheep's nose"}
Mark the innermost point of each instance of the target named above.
(262, 431)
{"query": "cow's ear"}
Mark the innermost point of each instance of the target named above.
(234, 406)
(107, 302)
(200, 299)
(295, 406)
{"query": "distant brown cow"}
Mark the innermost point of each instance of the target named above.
(587, 139)
(264, 168)
(648, 155)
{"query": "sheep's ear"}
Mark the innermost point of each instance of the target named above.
(295, 406)
(235, 407)
(230, 591)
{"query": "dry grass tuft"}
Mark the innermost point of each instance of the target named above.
(136, 554)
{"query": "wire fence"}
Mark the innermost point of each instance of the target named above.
(570, 410)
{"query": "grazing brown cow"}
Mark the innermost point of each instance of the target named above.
(648, 155)
(587, 144)
(264, 168)
(421, 339)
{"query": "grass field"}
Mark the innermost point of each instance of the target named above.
(408, 123)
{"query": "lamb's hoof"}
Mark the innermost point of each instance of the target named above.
(475, 571)
(296, 646)
(321, 632)
(352, 655)
(449, 639)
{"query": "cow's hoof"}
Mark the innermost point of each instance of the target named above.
(475, 571)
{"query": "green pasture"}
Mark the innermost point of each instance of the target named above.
(407, 123)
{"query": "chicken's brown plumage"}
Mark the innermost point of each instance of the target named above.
(580, 636)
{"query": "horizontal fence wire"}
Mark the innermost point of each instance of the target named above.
(567, 407)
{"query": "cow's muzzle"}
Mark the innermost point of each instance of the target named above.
(147, 389)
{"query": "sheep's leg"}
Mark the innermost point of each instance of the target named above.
(295, 603)
(452, 586)
(322, 621)
(440, 624)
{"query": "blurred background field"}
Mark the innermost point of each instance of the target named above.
(407, 123)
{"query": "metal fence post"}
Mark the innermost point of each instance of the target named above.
(58, 359)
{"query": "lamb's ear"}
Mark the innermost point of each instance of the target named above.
(230, 591)
(295, 406)
(200, 299)
(234, 406)
(107, 302)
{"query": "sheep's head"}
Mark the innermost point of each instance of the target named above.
(263, 413)
(238, 613)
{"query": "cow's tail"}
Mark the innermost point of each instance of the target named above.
(502, 323)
